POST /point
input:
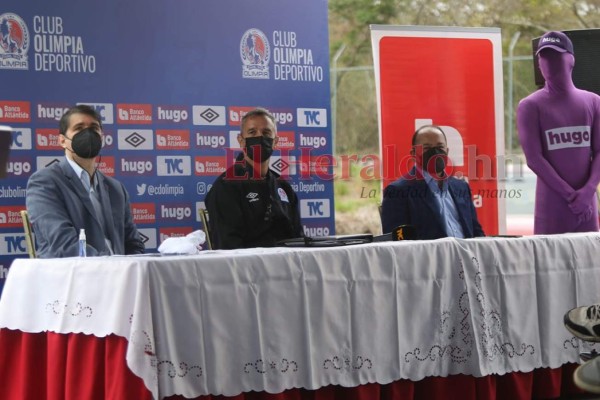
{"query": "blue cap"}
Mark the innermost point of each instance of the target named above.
(557, 41)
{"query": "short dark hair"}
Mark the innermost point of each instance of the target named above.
(257, 112)
(439, 128)
(63, 125)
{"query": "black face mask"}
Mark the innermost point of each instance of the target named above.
(87, 143)
(440, 160)
(264, 143)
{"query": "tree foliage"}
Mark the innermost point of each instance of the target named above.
(349, 26)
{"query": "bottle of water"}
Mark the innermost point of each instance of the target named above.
(82, 244)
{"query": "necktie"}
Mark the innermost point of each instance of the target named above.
(95, 198)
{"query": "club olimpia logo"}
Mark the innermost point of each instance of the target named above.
(255, 53)
(14, 42)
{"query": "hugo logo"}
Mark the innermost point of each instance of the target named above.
(177, 213)
(568, 137)
(312, 141)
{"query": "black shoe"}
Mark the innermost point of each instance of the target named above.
(584, 322)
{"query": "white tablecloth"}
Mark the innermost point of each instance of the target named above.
(227, 322)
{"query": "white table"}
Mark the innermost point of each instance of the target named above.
(227, 322)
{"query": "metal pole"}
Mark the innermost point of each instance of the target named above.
(511, 111)
(337, 55)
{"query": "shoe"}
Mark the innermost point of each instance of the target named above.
(584, 322)
(587, 376)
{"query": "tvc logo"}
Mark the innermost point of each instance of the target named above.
(314, 208)
(174, 166)
(105, 110)
(12, 244)
(311, 117)
(21, 139)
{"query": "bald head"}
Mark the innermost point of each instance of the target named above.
(430, 136)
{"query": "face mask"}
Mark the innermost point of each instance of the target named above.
(264, 143)
(87, 143)
(438, 164)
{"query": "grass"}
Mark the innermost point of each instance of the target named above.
(356, 202)
(353, 192)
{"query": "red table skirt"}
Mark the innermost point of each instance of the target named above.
(76, 366)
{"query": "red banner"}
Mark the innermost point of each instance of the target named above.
(448, 79)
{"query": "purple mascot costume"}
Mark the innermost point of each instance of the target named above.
(559, 130)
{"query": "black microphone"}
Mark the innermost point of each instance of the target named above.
(402, 232)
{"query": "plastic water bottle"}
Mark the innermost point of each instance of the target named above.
(82, 244)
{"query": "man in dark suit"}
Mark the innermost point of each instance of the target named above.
(436, 204)
(72, 195)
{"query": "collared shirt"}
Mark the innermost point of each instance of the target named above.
(446, 205)
(94, 193)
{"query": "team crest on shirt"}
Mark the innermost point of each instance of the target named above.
(252, 197)
(283, 195)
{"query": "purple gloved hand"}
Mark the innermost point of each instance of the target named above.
(580, 203)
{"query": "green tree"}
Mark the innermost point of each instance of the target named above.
(356, 119)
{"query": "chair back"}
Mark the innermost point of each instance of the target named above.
(205, 218)
(29, 239)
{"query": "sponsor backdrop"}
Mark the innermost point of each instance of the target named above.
(171, 83)
(451, 77)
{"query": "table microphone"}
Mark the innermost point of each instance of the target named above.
(402, 232)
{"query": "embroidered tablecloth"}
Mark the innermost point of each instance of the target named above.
(226, 322)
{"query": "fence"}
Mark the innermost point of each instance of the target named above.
(354, 104)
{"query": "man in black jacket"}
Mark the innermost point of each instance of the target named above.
(249, 205)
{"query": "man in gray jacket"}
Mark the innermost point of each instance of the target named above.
(72, 195)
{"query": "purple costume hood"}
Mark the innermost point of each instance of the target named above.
(559, 131)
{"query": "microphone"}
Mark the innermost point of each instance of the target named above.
(402, 232)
